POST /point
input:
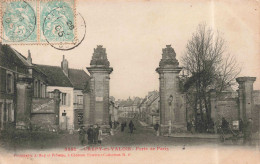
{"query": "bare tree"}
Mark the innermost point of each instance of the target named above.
(208, 66)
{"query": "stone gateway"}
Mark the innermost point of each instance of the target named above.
(170, 115)
(99, 88)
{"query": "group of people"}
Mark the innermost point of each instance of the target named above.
(94, 134)
(245, 128)
(130, 125)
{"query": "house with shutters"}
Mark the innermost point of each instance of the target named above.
(71, 83)
(20, 85)
(25, 86)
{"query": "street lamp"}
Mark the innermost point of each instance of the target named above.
(170, 99)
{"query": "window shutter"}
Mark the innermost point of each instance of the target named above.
(75, 99)
(68, 99)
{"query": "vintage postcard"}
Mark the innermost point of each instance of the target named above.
(128, 81)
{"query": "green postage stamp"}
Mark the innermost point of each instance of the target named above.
(38, 22)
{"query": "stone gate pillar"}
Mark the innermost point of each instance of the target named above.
(56, 96)
(24, 101)
(169, 91)
(99, 87)
(245, 95)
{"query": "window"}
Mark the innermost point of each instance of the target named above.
(9, 82)
(10, 112)
(35, 88)
(43, 91)
(80, 99)
(63, 98)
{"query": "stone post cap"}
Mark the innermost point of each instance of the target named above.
(168, 57)
(245, 78)
(99, 57)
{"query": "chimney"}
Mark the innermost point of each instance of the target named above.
(29, 58)
(65, 66)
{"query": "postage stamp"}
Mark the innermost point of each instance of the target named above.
(39, 22)
(57, 21)
(18, 21)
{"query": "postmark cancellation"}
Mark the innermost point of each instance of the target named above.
(38, 22)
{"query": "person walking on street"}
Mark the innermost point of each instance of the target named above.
(224, 125)
(193, 126)
(90, 134)
(125, 124)
(131, 126)
(95, 134)
(122, 126)
(99, 135)
(156, 128)
(82, 133)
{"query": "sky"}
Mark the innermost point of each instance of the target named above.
(134, 34)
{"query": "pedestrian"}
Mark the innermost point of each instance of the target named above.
(125, 124)
(156, 128)
(82, 133)
(99, 135)
(96, 132)
(224, 125)
(122, 126)
(248, 131)
(90, 134)
(193, 126)
(131, 126)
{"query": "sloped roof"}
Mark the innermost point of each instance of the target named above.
(126, 103)
(9, 57)
(143, 101)
(22, 58)
(55, 76)
(78, 78)
(137, 101)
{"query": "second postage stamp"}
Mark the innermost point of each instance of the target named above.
(38, 22)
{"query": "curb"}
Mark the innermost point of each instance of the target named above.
(198, 137)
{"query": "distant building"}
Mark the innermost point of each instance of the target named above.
(149, 108)
(129, 108)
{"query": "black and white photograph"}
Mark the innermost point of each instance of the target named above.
(127, 81)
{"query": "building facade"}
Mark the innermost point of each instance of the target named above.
(23, 90)
(72, 84)
(40, 95)
(100, 70)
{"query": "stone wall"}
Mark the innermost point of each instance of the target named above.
(44, 121)
(45, 112)
(256, 110)
(243, 104)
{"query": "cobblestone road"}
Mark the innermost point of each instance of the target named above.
(146, 136)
